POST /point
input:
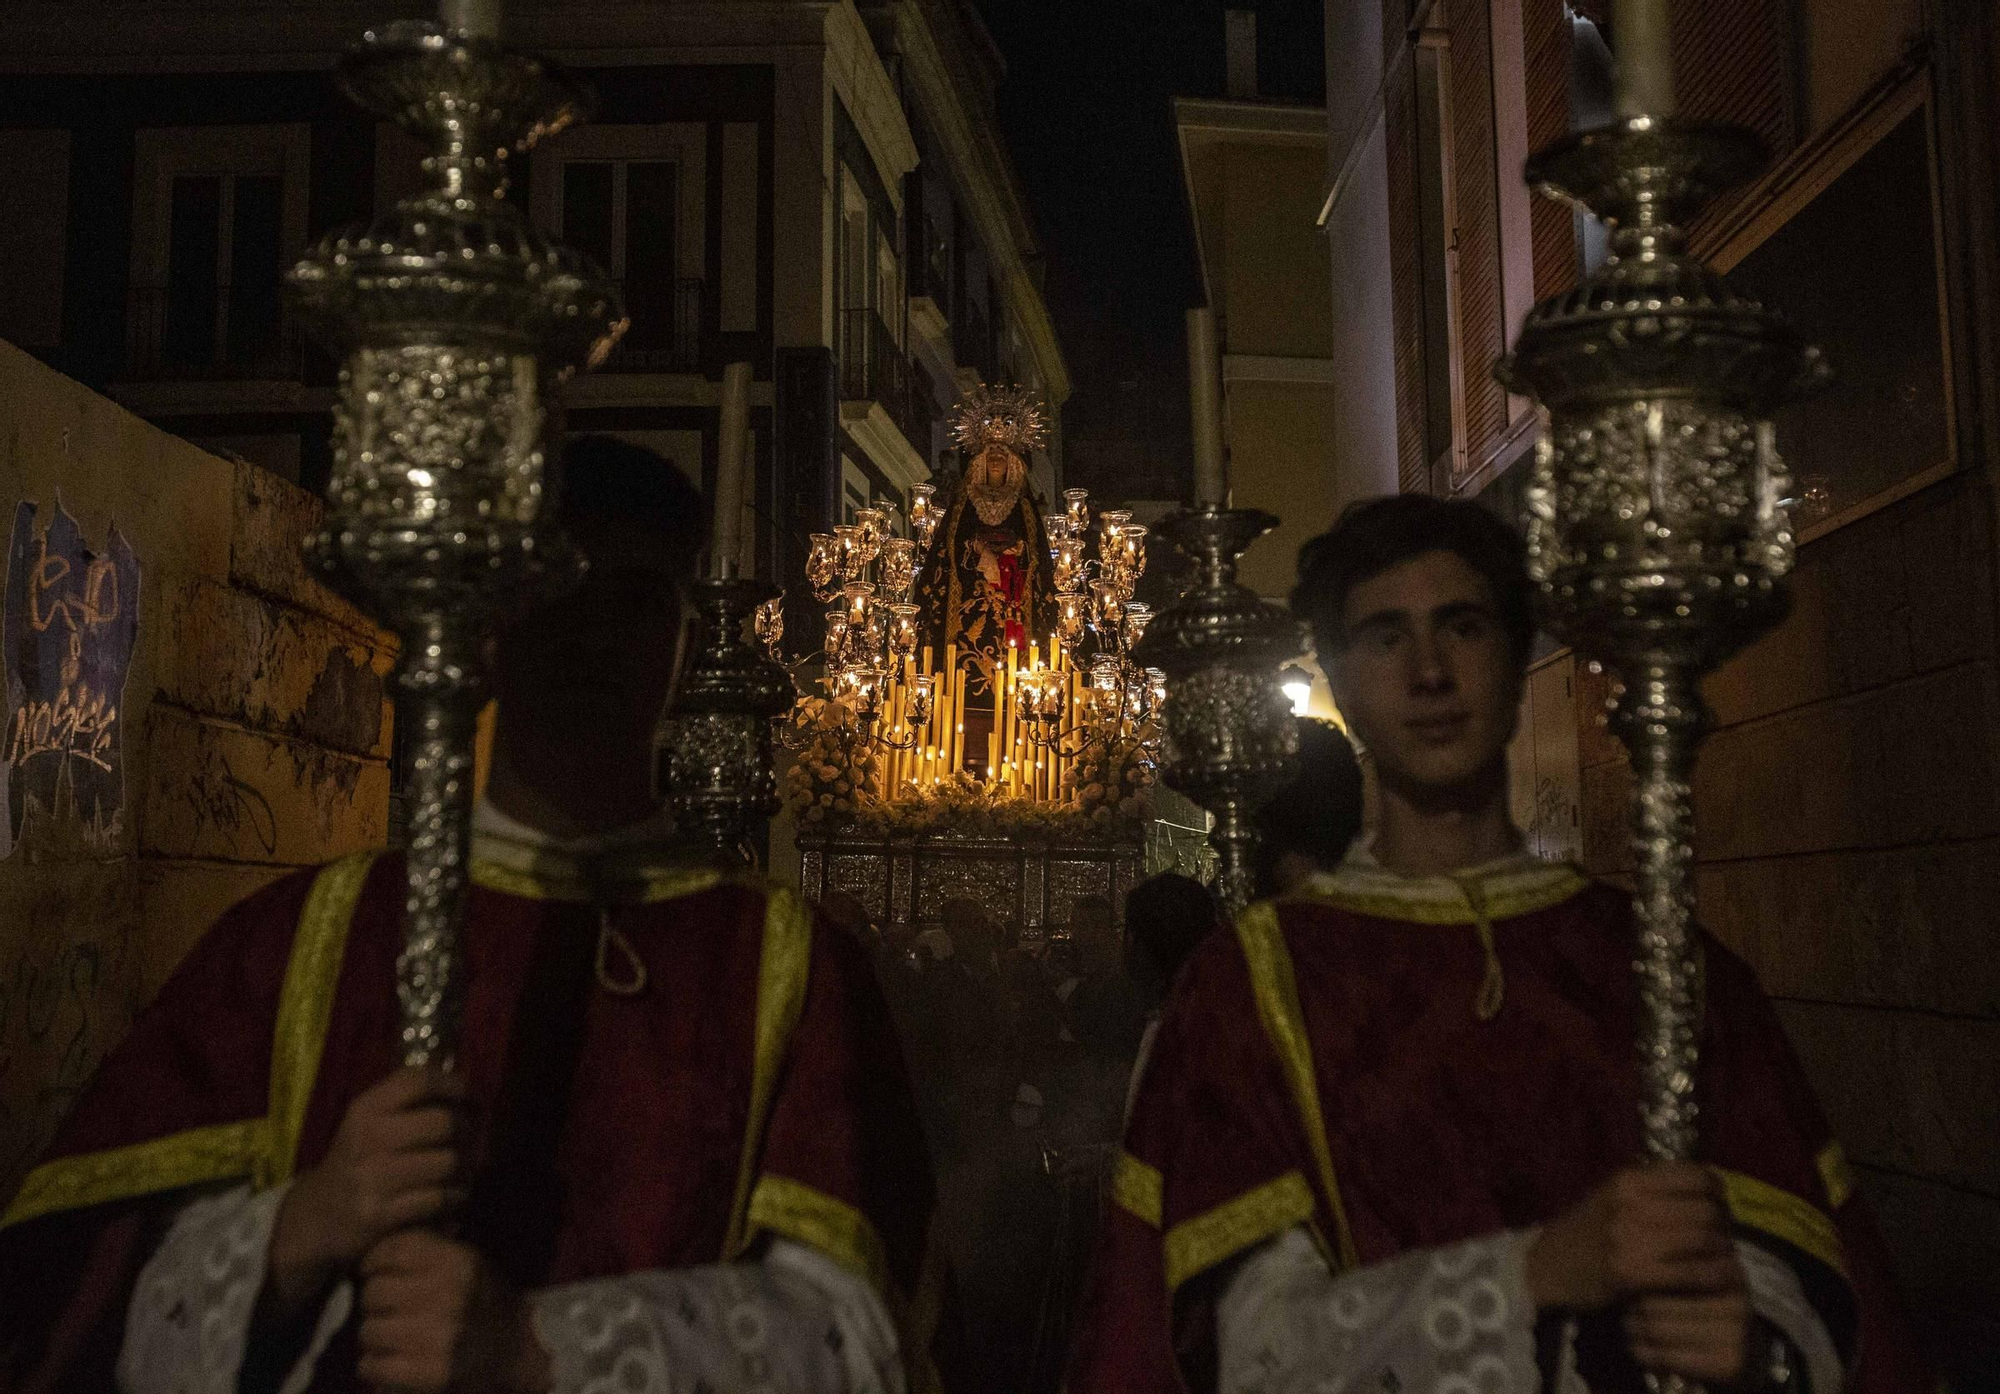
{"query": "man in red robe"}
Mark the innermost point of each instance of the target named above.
(677, 1150)
(1389, 1134)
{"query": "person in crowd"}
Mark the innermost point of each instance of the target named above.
(1389, 1137)
(676, 1149)
(1166, 918)
(1307, 826)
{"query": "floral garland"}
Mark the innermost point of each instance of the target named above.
(832, 773)
(1111, 776)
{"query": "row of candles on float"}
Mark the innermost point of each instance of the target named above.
(916, 715)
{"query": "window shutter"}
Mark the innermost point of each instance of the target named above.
(1478, 230)
(1552, 229)
(1730, 65)
(1406, 277)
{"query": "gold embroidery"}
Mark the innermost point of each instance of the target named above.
(1835, 1174)
(781, 994)
(192, 1158)
(645, 886)
(1138, 1189)
(1197, 1245)
(305, 1006)
(1439, 900)
(835, 1228)
(1277, 994)
(1764, 1207)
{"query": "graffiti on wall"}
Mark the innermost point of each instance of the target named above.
(69, 627)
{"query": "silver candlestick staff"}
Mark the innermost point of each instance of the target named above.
(1230, 729)
(718, 769)
(1658, 525)
(453, 318)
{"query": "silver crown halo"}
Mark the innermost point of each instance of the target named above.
(1008, 416)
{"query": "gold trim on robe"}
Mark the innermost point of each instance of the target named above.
(305, 1006)
(221, 1152)
(1835, 1174)
(639, 885)
(263, 1149)
(782, 970)
(1517, 885)
(1276, 990)
(1197, 1245)
(1763, 1207)
(814, 1218)
(1138, 1189)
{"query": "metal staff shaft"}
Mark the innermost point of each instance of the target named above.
(1658, 527)
(453, 319)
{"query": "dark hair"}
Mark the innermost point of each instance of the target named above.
(1374, 535)
(1166, 916)
(605, 477)
(1317, 813)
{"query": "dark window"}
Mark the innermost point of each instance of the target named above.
(587, 198)
(194, 252)
(255, 254)
(652, 229)
(1888, 418)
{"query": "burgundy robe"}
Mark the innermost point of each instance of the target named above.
(752, 1086)
(1328, 1065)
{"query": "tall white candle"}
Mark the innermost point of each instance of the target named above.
(1642, 47)
(732, 474)
(477, 19)
(1211, 481)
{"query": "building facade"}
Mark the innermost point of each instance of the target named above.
(1253, 171)
(1848, 819)
(809, 185)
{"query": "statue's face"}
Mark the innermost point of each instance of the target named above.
(992, 465)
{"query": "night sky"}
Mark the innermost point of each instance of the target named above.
(1086, 110)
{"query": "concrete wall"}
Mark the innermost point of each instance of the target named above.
(251, 730)
(1281, 459)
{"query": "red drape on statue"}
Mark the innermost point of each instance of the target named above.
(1440, 1127)
(613, 1127)
(1014, 586)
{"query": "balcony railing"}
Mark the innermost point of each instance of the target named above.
(874, 368)
(665, 336)
(227, 333)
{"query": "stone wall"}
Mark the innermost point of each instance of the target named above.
(1848, 845)
(247, 734)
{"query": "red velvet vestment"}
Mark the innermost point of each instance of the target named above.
(752, 1086)
(1328, 1065)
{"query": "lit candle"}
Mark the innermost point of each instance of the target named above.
(476, 19)
(1642, 47)
(1211, 481)
(725, 552)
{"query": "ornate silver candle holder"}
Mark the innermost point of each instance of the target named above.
(1230, 730)
(453, 318)
(1658, 524)
(717, 766)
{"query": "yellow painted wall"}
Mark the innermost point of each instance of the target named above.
(1280, 460)
(254, 732)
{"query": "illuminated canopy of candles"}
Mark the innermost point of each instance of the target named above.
(1056, 694)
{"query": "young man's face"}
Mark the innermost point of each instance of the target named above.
(1428, 676)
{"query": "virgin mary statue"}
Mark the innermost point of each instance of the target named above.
(987, 582)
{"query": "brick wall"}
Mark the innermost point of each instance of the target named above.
(254, 733)
(1848, 845)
